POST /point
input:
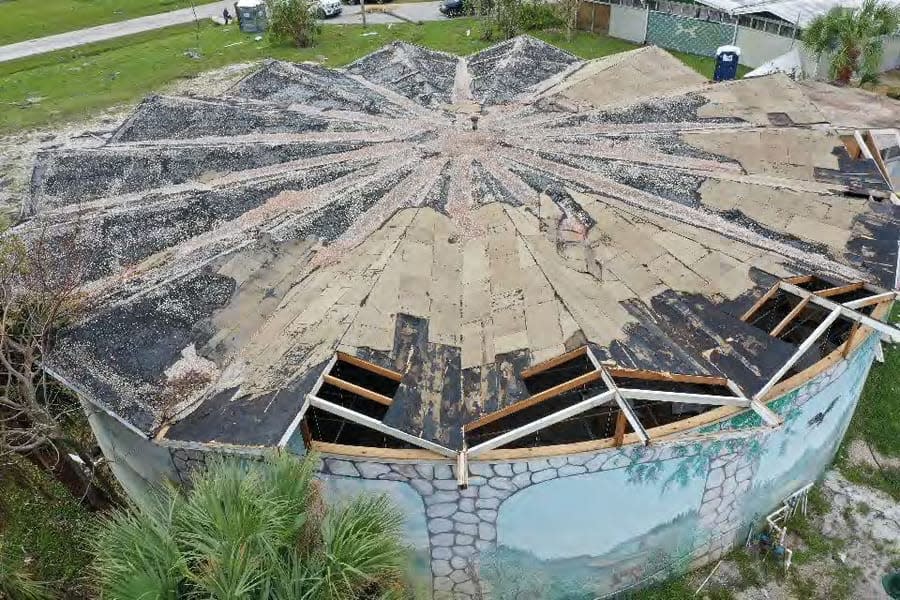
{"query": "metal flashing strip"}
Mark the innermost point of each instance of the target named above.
(529, 428)
(360, 419)
(298, 418)
(844, 310)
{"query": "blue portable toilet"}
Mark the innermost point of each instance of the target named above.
(727, 59)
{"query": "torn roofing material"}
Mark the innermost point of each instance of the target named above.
(362, 211)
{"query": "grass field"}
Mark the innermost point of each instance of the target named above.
(877, 422)
(42, 527)
(27, 19)
(72, 84)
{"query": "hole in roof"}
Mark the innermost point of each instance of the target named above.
(358, 374)
(558, 374)
(326, 427)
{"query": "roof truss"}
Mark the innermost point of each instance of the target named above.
(622, 397)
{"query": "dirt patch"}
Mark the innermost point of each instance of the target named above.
(841, 552)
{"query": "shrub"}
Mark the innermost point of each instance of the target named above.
(251, 531)
(294, 21)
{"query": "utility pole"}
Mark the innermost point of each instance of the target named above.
(362, 5)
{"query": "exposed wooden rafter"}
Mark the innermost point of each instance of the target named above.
(841, 289)
(789, 318)
(369, 366)
(535, 399)
(357, 389)
(759, 303)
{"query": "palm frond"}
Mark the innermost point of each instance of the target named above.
(136, 554)
(361, 546)
(16, 583)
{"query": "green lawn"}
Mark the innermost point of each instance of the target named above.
(27, 19)
(877, 421)
(42, 527)
(75, 83)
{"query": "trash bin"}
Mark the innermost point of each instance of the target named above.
(727, 59)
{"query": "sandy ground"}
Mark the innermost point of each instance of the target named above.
(867, 520)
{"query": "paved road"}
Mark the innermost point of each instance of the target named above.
(416, 11)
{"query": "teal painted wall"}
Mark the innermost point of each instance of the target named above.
(687, 35)
(588, 525)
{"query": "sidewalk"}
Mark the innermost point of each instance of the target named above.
(415, 11)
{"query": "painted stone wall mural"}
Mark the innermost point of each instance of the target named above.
(589, 525)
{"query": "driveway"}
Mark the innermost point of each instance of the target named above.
(415, 11)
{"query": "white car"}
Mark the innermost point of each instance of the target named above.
(327, 8)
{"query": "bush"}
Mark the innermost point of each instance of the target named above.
(534, 16)
(251, 531)
(294, 21)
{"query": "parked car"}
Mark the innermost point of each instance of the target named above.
(367, 1)
(327, 8)
(451, 8)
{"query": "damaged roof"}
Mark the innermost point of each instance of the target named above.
(454, 219)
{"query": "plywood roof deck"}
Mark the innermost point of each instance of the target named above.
(317, 211)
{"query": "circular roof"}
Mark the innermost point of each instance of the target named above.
(454, 219)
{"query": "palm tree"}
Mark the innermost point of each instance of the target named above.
(256, 531)
(853, 37)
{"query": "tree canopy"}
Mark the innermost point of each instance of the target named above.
(851, 37)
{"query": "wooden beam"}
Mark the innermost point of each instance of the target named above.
(535, 399)
(798, 279)
(366, 421)
(633, 420)
(789, 318)
(891, 332)
(621, 421)
(538, 424)
(368, 366)
(759, 303)
(848, 344)
(306, 433)
(417, 454)
(807, 343)
(841, 289)
(550, 363)
(625, 408)
(357, 389)
(623, 373)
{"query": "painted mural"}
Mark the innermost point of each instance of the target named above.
(589, 525)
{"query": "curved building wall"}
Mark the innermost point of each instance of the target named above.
(582, 525)
(587, 525)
